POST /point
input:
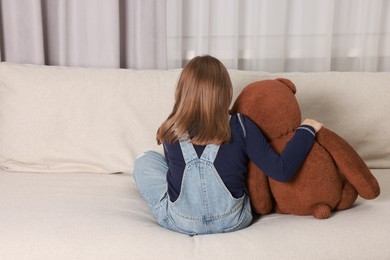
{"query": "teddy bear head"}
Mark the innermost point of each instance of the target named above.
(271, 105)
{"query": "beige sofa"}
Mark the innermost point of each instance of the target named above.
(69, 137)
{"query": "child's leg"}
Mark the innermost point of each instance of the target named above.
(150, 173)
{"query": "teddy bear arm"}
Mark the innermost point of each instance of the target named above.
(259, 190)
(349, 163)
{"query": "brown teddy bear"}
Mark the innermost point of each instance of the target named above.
(330, 178)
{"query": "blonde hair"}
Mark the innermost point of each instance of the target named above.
(202, 99)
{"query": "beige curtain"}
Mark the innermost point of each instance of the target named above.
(97, 33)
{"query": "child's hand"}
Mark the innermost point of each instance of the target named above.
(313, 123)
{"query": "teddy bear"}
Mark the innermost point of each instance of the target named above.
(332, 175)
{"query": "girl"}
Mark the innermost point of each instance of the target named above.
(199, 186)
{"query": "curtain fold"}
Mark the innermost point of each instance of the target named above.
(282, 35)
(268, 35)
(98, 33)
(22, 39)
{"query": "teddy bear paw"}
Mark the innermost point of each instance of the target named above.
(322, 211)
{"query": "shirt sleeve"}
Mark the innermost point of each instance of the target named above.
(279, 167)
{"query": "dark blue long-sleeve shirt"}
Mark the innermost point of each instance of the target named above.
(231, 163)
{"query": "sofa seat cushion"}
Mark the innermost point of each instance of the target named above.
(102, 216)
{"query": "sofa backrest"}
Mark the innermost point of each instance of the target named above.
(59, 119)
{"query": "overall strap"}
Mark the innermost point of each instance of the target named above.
(188, 151)
(210, 152)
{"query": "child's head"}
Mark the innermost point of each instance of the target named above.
(202, 100)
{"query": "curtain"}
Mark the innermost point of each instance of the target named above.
(268, 35)
(281, 35)
(98, 33)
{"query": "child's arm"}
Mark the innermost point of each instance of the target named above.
(280, 167)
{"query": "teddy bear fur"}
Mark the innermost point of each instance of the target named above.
(331, 177)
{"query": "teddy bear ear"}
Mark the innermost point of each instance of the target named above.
(288, 83)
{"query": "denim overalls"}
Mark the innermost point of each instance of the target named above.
(204, 205)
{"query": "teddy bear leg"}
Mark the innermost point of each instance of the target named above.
(321, 211)
(349, 163)
(348, 197)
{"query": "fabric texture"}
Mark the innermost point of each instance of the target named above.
(262, 35)
(98, 33)
(281, 36)
(58, 119)
(100, 216)
(79, 120)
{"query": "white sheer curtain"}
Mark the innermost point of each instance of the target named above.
(282, 35)
(268, 35)
(98, 33)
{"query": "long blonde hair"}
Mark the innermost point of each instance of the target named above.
(202, 99)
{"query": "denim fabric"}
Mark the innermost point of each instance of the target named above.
(204, 205)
